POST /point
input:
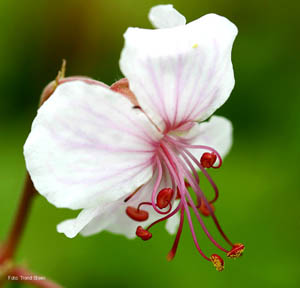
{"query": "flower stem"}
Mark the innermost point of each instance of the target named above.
(8, 250)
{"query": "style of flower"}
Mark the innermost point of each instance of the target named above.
(131, 162)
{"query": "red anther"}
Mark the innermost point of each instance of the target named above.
(204, 210)
(217, 261)
(137, 214)
(236, 251)
(142, 233)
(164, 197)
(208, 159)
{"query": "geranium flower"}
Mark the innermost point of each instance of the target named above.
(128, 162)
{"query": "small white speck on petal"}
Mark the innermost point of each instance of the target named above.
(165, 16)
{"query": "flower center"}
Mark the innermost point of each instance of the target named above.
(173, 154)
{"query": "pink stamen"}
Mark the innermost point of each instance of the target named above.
(180, 142)
(194, 185)
(196, 176)
(195, 173)
(186, 208)
(206, 202)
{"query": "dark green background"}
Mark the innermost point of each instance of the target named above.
(259, 182)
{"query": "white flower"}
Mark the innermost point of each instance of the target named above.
(91, 149)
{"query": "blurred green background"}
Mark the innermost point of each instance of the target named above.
(259, 203)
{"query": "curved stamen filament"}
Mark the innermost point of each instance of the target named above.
(192, 229)
(206, 202)
(150, 203)
(196, 176)
(195, 173)
(184, 170)
(204, 147)
(207, 148)
(143, 203)
(165, 218)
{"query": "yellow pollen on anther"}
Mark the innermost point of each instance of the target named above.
(195, 45)
(218, 262)
(236, 251)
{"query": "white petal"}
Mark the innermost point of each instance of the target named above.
(88, 146)
(180, 74)
(112, 218)
(165, 16)
(72, 227)
(216, 133)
